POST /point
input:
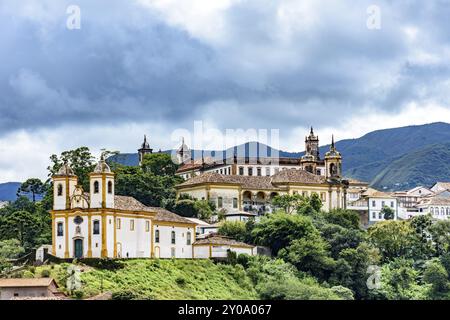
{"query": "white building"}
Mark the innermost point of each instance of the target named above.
(440, 186)
(255, 163)
(438, 206)
(102, 224)
(371, 204)
(215, 246)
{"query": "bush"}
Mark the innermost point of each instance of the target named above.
(124, 295)
(78, 294)
(343, 292)
(45, 273)
(104, 264)
(180, 281)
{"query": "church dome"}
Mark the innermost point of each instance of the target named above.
(102, 167)
(65, 170)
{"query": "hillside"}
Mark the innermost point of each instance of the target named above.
(165, 280)
(8, 191)
(421, 167)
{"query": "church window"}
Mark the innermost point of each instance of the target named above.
(250, 171)
(118, 223)
(96, 187)
(188, 238)
(235, 203)
(96, 227)
(268, 171)
(241, 171)
(110, 187)
(157, 236)
(220, 202)
(60, 190)
(60, 229)
(173, 237)
(436, 211)
(132, 225)
(432, 210)
(258, 172)
(442, 211)
(147, 226)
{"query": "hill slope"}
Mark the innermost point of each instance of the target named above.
(376, 156)
(8, 191)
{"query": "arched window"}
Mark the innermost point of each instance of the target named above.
(96, 187)
(436, 211)
(447, 211)
(156, 236)
(60, 189)
(60, 229)
(188, 238)
(96, 227)
(442, 211)
(432, 210)
(173, 237)
(110, 187)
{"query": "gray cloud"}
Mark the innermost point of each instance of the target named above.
(127, 64)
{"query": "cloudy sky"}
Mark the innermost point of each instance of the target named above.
(154, 67)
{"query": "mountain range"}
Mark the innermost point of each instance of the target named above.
(389, 159)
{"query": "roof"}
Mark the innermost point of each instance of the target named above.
(373, 193)
(436, 201)
(165, 215)
(445, 185)
(283, 177)
(131, 204)
(198, 221)
(221, 241)
(25, 282)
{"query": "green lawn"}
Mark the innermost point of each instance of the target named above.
(164, 280)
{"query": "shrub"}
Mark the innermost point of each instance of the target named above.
(343, 292)
(104, 264)
(45, 273)
(124, 295)
(78, 294)
(180, 281)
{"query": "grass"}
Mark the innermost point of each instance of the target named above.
(163, 280)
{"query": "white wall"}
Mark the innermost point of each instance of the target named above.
(182, 249)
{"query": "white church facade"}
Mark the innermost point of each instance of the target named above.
(100, 224)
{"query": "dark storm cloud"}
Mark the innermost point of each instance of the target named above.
(127, 63)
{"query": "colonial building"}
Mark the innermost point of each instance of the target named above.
(371, 203)
(248, 193)
(102, 224)
(258, 164)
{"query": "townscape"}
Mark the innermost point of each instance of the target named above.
(219, 211)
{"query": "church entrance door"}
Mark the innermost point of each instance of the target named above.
(78, 248)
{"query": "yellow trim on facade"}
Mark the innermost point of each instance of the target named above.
(115, 236)
(89, 253)
(104, 252)
(66, 250)
(103, 191)
(53, 235)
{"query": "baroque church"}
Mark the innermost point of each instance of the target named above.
(101, 224)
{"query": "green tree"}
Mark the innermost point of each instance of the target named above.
(287, 202)
(204, 209)
(80, 160)
(186, 208)
(436, 275)
(9, 249)
(440, 234)
(21, 225)
(234, 229)
(345, 218)
(394, 239)
(279, 229)
(388, 213)
(33, 186)
(159, 164)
